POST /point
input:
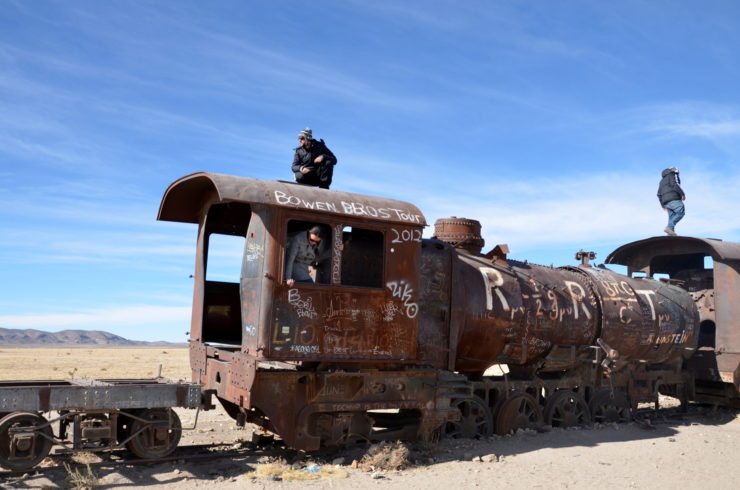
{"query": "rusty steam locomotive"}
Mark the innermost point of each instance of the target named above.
(402, 337)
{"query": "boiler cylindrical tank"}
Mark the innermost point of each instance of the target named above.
(518, 313)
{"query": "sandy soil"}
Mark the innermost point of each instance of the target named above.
(672, 451)
(84, 362)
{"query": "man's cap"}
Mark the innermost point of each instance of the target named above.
(674, 170)
(316, 230)
(306, 133)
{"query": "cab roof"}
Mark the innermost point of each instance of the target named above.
(182, 201)
(639, 254)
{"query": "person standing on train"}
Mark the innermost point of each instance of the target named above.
(313, 162)
(671, 197)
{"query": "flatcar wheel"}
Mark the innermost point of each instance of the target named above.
(25, 440)
(475, 420)
(566, 408)
(155, 431)
(607, 407)
(519, 411)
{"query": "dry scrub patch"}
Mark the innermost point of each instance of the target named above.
(85, 362)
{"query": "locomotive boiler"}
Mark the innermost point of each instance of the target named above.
(394, 337)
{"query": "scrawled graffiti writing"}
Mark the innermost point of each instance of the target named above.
(390, 310)
(359, 209)
(403, 291)
(351, 207)
(339, 309)
(405, 236)
(305, 349)
(493, 280)
(290, 200)
(254, 252)
(648, 295)
(303, 307)
(336, 259)
(577, 295)
(617, 288)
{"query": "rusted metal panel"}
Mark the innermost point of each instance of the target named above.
(108, 394)
(310, 408)
(337, 322)
(639, 254)
(714, 291)
(181, 201)
(643, 319)
(517, 312)
(727, 303)
(256, 281)
(435, 282)
(727, 298)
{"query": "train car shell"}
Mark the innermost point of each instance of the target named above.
(716, 363)
(345, 318)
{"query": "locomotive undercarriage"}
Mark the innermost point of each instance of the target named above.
(335, 408)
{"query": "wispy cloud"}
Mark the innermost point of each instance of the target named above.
(687, 118)
(602, 208)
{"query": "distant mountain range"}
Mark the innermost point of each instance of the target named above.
(68, 338)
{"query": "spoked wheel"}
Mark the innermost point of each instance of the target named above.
(519, 411)
(25, 440)
(566, 408)
(155, 431)
(607, 406)
(475, 421)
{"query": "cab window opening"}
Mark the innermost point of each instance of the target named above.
(308, 253)
(362, 257)
(225, 239)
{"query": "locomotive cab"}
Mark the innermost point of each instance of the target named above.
(358, 313)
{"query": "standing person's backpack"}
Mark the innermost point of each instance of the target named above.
(325, 172)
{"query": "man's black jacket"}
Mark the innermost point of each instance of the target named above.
(668, 189)
(321, 173)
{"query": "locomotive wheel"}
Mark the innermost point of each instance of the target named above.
(607, 407)
(566, 408)
(23, 449)
(475, 420)
(156, 432)
(519, 411)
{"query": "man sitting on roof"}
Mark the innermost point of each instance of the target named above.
(313, 162)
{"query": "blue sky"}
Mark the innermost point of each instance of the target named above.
(549, 122)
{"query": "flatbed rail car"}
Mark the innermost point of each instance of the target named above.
(93, 415)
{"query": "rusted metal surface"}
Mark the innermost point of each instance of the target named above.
(727, 303)
(716, 292)
(306, 408)
(643, 319)
(43, 396)
(460, 233)
(390, 319)
(642, 253)
(183, 198)
(518, 312)
(262, 320)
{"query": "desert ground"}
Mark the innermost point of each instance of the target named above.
(671, 450)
